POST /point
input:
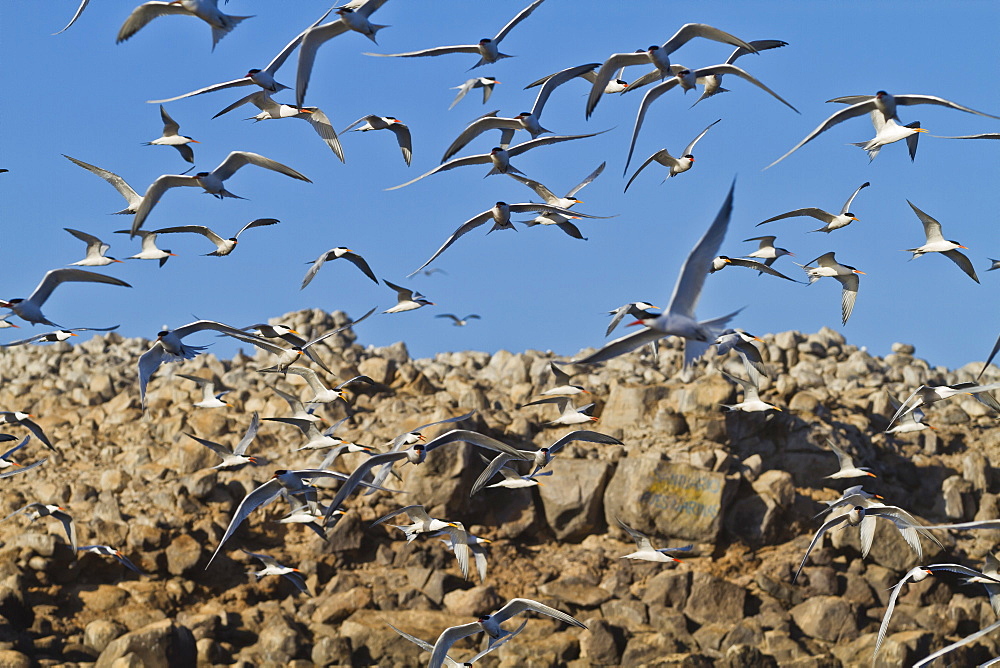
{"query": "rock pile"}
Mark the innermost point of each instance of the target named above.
(742, 487)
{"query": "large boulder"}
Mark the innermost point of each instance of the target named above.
(572, 497)
(668, 498)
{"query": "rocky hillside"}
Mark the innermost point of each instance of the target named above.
(743, 488)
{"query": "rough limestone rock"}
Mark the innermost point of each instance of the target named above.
(573, 508)
(160, 645)
(746, 489)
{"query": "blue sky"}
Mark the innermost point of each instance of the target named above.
(80, 94)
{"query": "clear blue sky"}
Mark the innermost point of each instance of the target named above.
(80, 94)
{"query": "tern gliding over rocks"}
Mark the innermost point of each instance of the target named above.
(490, 624)
(845, 274)
(679, 318)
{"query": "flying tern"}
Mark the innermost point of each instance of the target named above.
(206, 10)
(108, 551)
(679, 318)
(459, 322)
(319, 441)
(209, 397)
(500, 215)
(79, 10)
(464, 544)
(767, 251)
(888, 132)
(169, 347)
(294, 483)
(237, 457)
(5, 461)
(637, 310)
(321, 393)
(858, 515)
(416, 454)
(713, 82)
(833, 222)
(908, 422)
(540, 458)
(286, 356)
(352, 16)
(336, 254)
(752, 402)
(212, 182)
(301, 414)
(928, 394)
(149, 249)
(686, 79)
(845, 274)
(34, 511)
(852, 496)
(561, 380)
(487, 49)
(742, 343)
(406, 299)
(646, 551)
(272, 567)
(883, 103)
(24, 420)
(271, 110)
(491, 625)
(569, 414)
(11, 468)
(391, 123)
(171, 137)
(255, 77)
(452, 663)
(658, 56)
(30, 309)
(499, 157)
(514, 480)
(614, 85)
(96, 250)
(919, 574)
(526, 120)
(223, 247)
(971, 638)
(133, 198)
(486, 83)
(22, 469)
(422, 522)
(847, 467)
(936, 243)
(675, 165)
(567, 202)
(5, 321)
(58, 335)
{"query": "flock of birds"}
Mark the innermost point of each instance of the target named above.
(294, 354)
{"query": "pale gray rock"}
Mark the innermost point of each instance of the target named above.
(162, 644)
(713, 599)
(572, 501)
